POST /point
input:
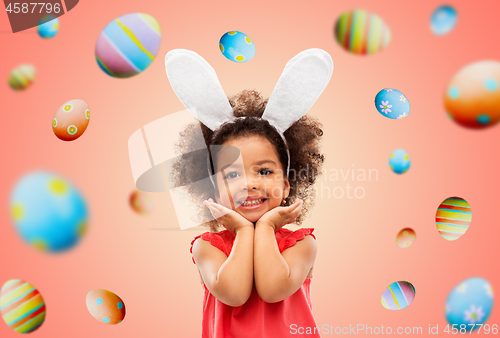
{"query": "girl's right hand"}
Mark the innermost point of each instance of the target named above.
(230, 219)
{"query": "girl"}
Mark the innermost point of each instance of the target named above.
(255, 274)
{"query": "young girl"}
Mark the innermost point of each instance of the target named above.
(255, 274)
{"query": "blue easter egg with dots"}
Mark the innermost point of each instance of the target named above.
(49, 213)
(470, 302)
(392, 103)
(443, 20)
(399, 161)
(237, 47)
(48, 26)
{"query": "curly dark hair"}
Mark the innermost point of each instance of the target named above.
(302, 139)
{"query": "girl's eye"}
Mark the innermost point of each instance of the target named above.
(231, 174)
(266, 170)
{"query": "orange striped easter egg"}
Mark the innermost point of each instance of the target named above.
(453, 218)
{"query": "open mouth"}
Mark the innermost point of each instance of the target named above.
(253, 204)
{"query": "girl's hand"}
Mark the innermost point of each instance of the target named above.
(281, 216)
(229, 218)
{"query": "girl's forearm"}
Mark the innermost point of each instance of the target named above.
(236, 274)
(270, 268)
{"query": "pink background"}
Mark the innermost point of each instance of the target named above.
(151, 270)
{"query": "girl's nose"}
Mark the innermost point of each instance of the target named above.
(252, 184)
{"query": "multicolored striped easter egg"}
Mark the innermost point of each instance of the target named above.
(361, 32)
(22, 306)
(22, 77)
(128, 45)
(453, 218)
(398, 295)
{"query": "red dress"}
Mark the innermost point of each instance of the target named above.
(256, 318)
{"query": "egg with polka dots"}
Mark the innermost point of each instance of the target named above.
(405, 237)
(105, 306)
(71, 120)
(48, 26)
(49, 212)
(237, 47)
(399, 161)
(472, 98)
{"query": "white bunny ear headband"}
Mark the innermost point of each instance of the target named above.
(196, 84)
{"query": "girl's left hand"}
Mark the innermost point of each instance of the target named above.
(281, 216)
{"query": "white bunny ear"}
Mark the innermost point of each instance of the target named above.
(303, 80)
(197, 86)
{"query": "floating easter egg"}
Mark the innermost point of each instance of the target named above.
(399, 161)
(22, 77)
(128, 45)
(405, 238)
(48, 26)
(453, 218)
(470, 302)
(105, 306)
(361, 32)
(398, 295)
(237, 47)
(49, 213)
(472, 98)
(392, 103)
(140, 202)
(22, 306)
(443, 20)
(71, 120)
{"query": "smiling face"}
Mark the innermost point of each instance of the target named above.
(257, 176)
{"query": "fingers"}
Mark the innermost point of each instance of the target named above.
(298, 203)
(216, 210)
(295, 210)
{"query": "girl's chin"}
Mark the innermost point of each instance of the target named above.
(251, 216)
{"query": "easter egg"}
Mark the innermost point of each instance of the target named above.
(71, 120)
(472, 98)
(361, 32)
(392, 103)
(398, 295)
(443, 20)
(453, 218)
(470, 302)
(399, 161)
(105, 306)
(49, 212)
(140, 202)
(128, 45)
(405, 238)
(237, 47)
(48, 26)
(22, 77)
(22, 306)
